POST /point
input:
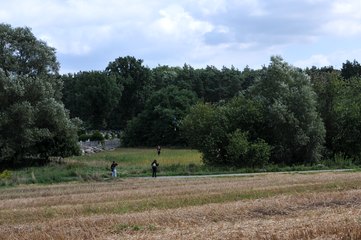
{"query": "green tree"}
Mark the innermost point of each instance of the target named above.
(218, 84)
(292, 125)
(350, 69)
(244, 153)
(91, 96)
(339, 103)
(158, 123)
(33, 122)
(164, 76)
(210, 77)
(347, 109)
(226, 134)
(137, 84)
(22, 54)
(327, 84)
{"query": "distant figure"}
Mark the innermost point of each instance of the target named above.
(154, 168)
(113, 167)
(158, 150)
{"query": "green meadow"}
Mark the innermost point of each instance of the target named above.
(136, 161)
(132, 162)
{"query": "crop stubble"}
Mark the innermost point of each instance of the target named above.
(269, 206)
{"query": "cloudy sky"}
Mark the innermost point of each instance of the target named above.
(88, 34)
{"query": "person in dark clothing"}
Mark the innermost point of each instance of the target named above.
(158, 150)
(114, 169)
(154, 168)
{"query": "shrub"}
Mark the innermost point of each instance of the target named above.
(84, 137)
(97, 136)
(5, 175)
(243, 153)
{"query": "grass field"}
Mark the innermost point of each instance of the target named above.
(138, 160)
(133, 162)
(266, 206)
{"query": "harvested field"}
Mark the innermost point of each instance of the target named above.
(269, 206)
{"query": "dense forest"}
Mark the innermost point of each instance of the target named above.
(245, 118)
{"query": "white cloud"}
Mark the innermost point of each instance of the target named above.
(4, 15)
(343, 27)
(209, 7)
(345, 18)
(216, 32)
(347, 8)
(217, 7)
(334, 58)
(314, 60)
(176, 22)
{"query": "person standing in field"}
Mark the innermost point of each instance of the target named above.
(158, 150)
(113, 167)
(154, 168)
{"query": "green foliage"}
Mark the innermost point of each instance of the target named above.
(351, 69)
(22, 54)
(96, 136)
(327, 85)
(347, 110)
(243, 153)
(33, 121)
(219, 132)
(278, 113)
(137, 85)
(339, 102)
(91, 96)
(213, 85)
(158, 123)
(292, 125)
(84, 137)
(5, 175)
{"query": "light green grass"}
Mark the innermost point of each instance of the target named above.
(137, 161)
(133, 162)
(142, 157)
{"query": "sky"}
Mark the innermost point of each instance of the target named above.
(88, 34)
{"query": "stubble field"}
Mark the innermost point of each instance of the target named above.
(265, 206)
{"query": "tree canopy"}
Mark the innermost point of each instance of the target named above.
(33, 121)
(276, 120)
(293, 126)
(91, 96)
(277, 114)
(22, 54)
(158, 124)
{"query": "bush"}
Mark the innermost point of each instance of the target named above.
(243, 153)
(97, 136)
(5, 175)
(84, 137)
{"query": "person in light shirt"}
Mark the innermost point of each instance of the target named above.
(154, 168)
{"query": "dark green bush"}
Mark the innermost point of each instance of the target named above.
(97, 136)
(84, 137)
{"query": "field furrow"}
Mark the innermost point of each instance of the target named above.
(269, 206)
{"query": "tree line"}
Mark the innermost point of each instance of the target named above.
(245, 118)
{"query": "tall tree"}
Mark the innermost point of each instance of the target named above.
(91, 96)
(226, 134)
(292, 124)
(328, 84)
(350, 69)
(159, 122)
(22, 54)
(347, 109)
(33, 122)
(218, 84)
(136, 82)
